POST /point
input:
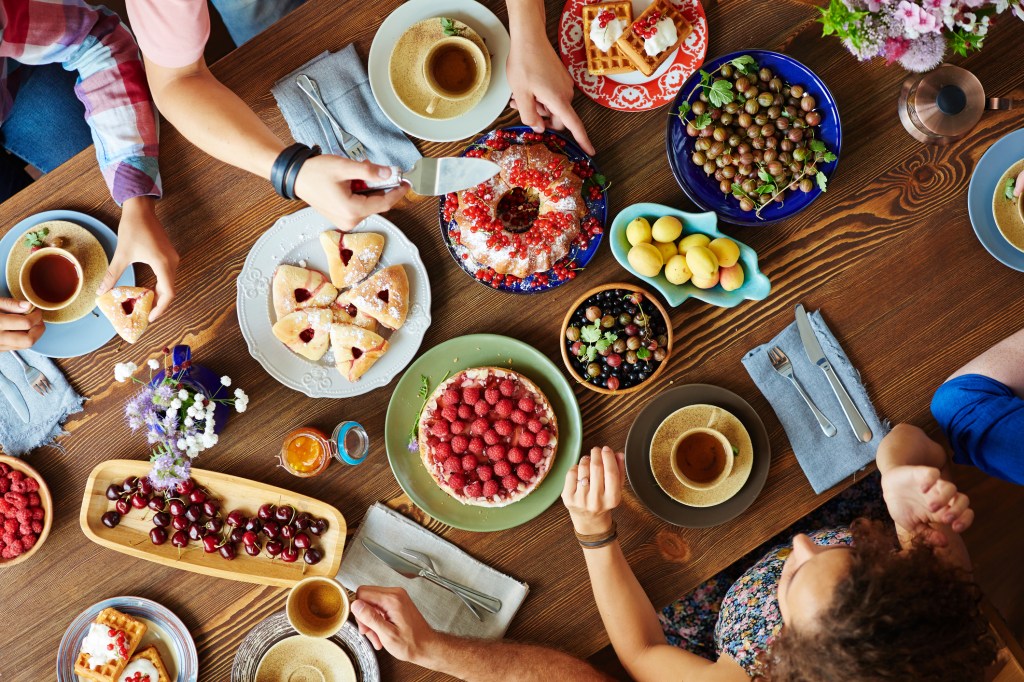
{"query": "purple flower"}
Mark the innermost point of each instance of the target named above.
(925, 53)
(916, 21)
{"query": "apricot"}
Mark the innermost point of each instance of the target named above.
(726, 251)
(676, 270)
(691, 240)
(666, 229)
(705, 282)
(732, 277)
(645, 259)
(668, 249)
(638, 231)
(702, 262)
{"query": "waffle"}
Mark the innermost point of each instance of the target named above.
(153, 656)
(133, 629)
(632, 45)
(614, 60)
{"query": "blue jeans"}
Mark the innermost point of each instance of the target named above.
(245, 18)
(46, 126)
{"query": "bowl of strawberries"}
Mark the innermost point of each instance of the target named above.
(26, 511)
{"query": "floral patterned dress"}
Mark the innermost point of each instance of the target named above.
(737, 613)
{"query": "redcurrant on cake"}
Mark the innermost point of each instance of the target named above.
(488, 436)
(534, 175)
(108, 645)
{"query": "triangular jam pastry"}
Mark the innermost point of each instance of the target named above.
(384, 297)
(346, 313)
(128, 310)
(355, 349)
(351, 256)
(306, 332)
(297, 288)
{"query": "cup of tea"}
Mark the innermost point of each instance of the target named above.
(454, 68)
(317, 607)
(702, 458)
(51, 278)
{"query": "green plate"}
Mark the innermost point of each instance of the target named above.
(455, 355)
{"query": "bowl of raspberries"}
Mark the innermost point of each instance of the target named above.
(26, 511)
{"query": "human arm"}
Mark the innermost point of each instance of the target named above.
(542, 89)
(390, 620)
(1003, 362)
(628, 615)
(21, 324)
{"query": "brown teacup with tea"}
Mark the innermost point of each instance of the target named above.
(702, 458)
(454, 68)
(317, 607)
(51, 278)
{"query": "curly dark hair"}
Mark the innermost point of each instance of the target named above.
(896, 616)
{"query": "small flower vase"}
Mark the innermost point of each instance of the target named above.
(200, 379)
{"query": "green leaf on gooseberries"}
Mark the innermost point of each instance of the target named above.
(643, 353)
(745, 64)
(591, 333)
(591, 353)
(1008, 188)
(763, 174)
(602, 345)
(829, 157)
(684, 109)
(765, 189)
(822, 181)
(702, 121)
(705, 78)
(788, 115)
(817, 146)
(611, 337)
(720, 93)
(737, 190)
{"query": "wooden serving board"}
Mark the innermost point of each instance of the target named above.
(131, 536)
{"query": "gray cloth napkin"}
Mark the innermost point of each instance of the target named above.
(825, 461)
(46, 413)
(442, 609)
(345, 88)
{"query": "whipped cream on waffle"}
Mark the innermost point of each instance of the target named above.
(140, 669)
(604, 31)
(664, 36)
(99, 646)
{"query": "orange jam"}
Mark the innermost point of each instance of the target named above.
(305, 452)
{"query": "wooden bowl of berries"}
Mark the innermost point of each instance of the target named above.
(26, 511)
(616, 338)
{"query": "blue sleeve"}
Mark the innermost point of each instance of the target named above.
(984, 423)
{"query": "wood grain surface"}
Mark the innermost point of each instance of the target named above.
(888, 255)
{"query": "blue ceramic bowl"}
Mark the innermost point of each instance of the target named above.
(704, 190)
(987, 173)
(756, 286)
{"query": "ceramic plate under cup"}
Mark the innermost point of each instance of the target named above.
(164, 630)
(990, 169)
(275, 629)
(638, 464)
(1007, 212)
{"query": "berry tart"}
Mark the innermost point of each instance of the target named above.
(109, 644)
(616, 338)
(488, 436)
(296, 288)
(128, 310)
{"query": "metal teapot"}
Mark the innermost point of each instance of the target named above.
(943, 105)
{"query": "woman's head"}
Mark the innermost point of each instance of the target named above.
(868, 612)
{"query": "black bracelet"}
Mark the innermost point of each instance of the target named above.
(292, 174)
(281, 164)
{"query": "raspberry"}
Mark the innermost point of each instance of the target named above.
(543, 437)
(515, 455)
(527, 439)
(16, 500)
(525, 472)
(490, 488)
(443, 451)
(491, 437)
(451, 413)
(476, 446)
(468, 462)
(485, 472)
(536, 455)
(38, 514)
(492, 395)
(26, 529)
(14, 549)
(471, 395)
(37, 527)
(474, 489)
(15, 475)
(496, 453)
(33, 500)
(481, 408)
(457, 482)
(5, 484)
(23, 516)
(509, 483)
(507, 387)
(527, 405)
(518, 417)
(457, 427)
(534, 425)
(453, 464)
(465, 412)
(31, 485)
(28, 542)
(502, 468)
(18, 487)
(10, 525)
(504, 407)
(479, 427)
(439, 428)
(504, 427)
(6, 509)
(4, 468)
(459, 444)
(451, 397)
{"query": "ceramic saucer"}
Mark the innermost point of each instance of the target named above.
(407, 77)
(305, 659)
(1006, 212)
(992, 166)
(81, 243)
(691, 417)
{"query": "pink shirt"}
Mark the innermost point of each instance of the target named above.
(171, 33)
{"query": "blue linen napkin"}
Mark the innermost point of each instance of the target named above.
(46, 413)
(825, 461)
(345, 89)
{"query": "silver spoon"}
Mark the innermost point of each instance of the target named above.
(424, 561)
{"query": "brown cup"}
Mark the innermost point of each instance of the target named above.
(717, 480)
(437, 90)
(317, 607)
(25, 280)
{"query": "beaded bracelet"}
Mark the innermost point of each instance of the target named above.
(598, 539)
(281, 165)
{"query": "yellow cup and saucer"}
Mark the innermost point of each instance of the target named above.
(1008, 211)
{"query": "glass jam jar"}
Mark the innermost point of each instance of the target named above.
(305, 452)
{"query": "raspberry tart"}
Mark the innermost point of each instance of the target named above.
(351, 257)
(296, 288)
(128, 310)
(488, 436)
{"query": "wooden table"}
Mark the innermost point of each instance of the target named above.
(888, 254)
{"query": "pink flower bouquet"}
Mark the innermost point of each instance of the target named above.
(916, 33)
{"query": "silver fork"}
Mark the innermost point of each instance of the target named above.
(424, 561)
(353, 147)
(33, 376)
(782, 365)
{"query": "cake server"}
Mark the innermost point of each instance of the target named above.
(816, 354)
(437, 177)
(14, 397)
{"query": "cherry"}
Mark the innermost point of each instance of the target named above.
(197, 497)
(210, 544)
(302, 521)
(139, 500)
(289, 555)
(271, 529)
(156, 504)
(236, 534)
(158, 536)
(195, 531)
(312, 556)
(284, 513)
(302, 541)
(122, 506)
(253, 549)
(130, 484)
(179, 522)
(318, 526)
(179, 539)
(254, 525)
(265, 513)
(210, 508)
(113, 492)
(194, 512)
(287, 532)
(250, 538)
(176, 507)
(185, 487)
(145, 487)
(111, 519)
(274, 547)
(161, 519)
(214, 525)
(236, 518)
(228, 552)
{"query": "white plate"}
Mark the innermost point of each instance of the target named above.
(296, 238)
(477, 119)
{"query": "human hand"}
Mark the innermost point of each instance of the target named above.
(142, 239)
(325, 183)
(918, 499)
(542, 89)
(21, 324)
(593, 488)
(390, 620)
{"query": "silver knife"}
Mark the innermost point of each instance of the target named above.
(304, 82)
(816, 354)
(437, 177)
(404, 567)
(14, 397)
